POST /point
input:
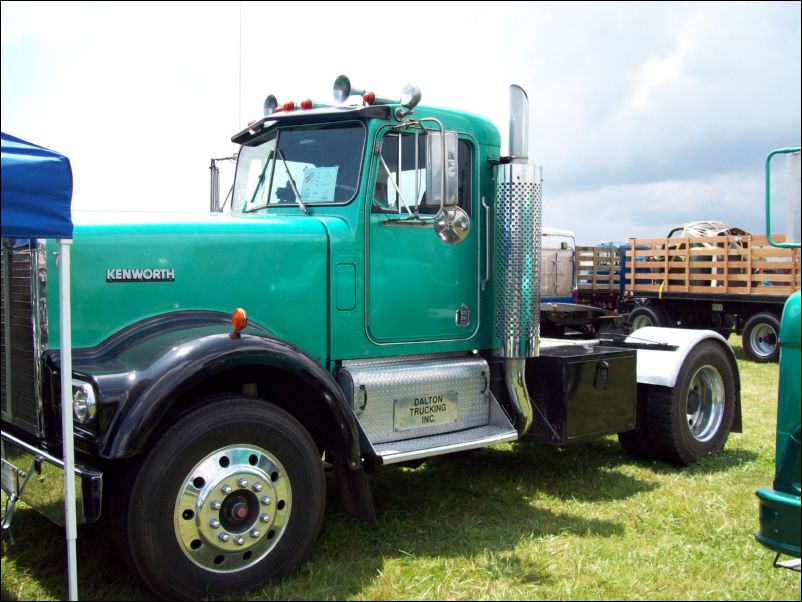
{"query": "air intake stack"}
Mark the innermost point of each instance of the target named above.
(517, 258)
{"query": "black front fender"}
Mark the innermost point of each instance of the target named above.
(142, 371)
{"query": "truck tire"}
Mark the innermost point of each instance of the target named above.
(761, 338)
(649, 315)
(693, 419)
(229, 498)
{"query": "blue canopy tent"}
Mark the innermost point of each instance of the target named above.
(36, 197)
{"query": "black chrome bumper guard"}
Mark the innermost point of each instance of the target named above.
(37, 478)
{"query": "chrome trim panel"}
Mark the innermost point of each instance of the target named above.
(375, 390)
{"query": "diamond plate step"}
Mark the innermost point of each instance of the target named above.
(424, 447)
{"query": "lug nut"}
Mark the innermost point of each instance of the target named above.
(265, 500)
(257, 487)
(264, 518)
(255, 533)
(214, 523)
(215, 505)
(225, 489)
(239, 540)
(224, 537)
(242, 483)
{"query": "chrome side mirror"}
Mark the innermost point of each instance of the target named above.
(441, 168)
(787, 191)
(452, 224)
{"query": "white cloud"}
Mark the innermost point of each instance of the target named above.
(657, 73)
(624, 96)
(46, 21)
(651, 209)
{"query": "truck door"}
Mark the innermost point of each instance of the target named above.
(418, 288)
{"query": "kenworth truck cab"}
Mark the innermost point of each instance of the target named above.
(371, 299)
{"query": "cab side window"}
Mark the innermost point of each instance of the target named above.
(402, 173)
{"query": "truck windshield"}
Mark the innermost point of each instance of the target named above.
(319, 163)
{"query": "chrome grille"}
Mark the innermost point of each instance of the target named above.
(517, 259)
(23, 324)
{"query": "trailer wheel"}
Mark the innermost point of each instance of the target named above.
(693, 419)
(761, 338)
(231, 497)
(649, 315)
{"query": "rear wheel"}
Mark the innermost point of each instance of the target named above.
(761, 338)
(231, 497)
(693, 419)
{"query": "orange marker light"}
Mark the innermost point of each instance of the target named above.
(239, 319)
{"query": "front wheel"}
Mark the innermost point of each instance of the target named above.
(693, 419)
(230, 498)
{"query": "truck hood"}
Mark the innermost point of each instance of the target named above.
(128, 266)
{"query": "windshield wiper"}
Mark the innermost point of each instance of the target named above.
(261, 178)
(292, 183)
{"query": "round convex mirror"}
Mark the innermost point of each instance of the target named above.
(452, 225)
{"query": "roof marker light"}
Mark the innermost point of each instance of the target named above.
(289, 106)
(306, 104)
(369, 98)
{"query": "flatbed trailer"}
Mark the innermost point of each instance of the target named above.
(724, 283)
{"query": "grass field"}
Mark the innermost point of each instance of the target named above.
(516, 521)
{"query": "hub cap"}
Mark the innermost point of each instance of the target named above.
(232, 508)
(641, 322)
(763, 340)
(705, 403)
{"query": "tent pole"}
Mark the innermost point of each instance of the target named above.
(66, 416)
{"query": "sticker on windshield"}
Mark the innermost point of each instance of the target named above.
(319, 183)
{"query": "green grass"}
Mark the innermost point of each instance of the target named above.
(516, 521)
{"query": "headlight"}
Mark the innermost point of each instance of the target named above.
(84, 402)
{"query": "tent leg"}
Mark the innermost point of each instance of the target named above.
(66, 417)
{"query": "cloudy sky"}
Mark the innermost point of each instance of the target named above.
(644, 115)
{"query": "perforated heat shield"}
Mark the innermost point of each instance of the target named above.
(517, 259)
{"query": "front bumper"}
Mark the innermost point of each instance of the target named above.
(779, 521)
(37, 478)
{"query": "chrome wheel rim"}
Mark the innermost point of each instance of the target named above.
(232, 508)
(705, 403)
(763, 340)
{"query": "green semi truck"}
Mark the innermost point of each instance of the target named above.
(369, 300)
(779, 506)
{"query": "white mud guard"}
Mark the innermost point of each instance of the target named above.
(662, 367)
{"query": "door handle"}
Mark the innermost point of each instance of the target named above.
(488, 265)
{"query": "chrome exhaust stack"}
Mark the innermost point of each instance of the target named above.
(519, 202)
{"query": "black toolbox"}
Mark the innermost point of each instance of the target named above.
(581, 391)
